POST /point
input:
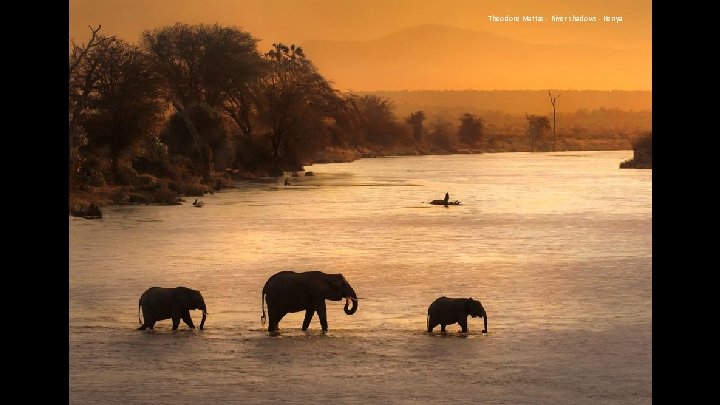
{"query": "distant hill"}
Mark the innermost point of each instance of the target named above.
(443, 57)
(455, 103)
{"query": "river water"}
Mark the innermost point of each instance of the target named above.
(556, 246)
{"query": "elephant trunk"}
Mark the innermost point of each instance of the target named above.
(204, 312)
(354, 300)
(484, 322)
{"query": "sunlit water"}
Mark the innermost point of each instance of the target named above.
(557, 247)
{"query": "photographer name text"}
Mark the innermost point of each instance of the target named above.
(573, 18)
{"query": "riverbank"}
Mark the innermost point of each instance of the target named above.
(642, 154)
(146, 189)
(494, 144)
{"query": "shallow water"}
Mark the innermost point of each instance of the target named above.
(557, 247)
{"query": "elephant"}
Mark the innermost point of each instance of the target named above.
(446, 311)
(170, 303)
(288, 291)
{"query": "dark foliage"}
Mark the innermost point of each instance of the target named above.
(471, 129)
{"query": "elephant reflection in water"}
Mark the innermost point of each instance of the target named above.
(159, 303)
(288, 291)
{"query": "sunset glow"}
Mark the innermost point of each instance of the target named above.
(431, 44)
(368, 201)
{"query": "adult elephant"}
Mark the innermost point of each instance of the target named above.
(446, 311)
(159, 303)
(288, 291)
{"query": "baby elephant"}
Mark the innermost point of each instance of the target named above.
(170, 303)
(445, 311)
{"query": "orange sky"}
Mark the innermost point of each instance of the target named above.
(298, 21)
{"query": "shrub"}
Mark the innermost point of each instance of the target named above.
(137, 198)
(163, 195)
(145, 181)
(125, 175)
(193, 189)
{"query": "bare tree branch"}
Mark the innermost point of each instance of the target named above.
(94, 41)
(552, 101)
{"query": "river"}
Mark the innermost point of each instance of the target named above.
(556, 246)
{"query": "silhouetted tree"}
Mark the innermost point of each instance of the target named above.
(553, 99)
(642, 148)
(83, 63)
(347, 116)
(642, 153)
(537, 126)
(210, 125)
(204, 64)
(297, 105)
(440, 134)
(78, 52)
(416, 122)
(471, 129)
(124, 105)
(242, 106)
(377, 122)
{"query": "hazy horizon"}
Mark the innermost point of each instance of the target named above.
(359, 46)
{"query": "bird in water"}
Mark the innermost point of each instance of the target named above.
(197, 203)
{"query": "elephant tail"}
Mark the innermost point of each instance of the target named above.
(262, 304)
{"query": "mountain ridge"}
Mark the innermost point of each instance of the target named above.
(440, 57)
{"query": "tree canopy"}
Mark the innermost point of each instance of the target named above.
(537, 126)
(296, 105)
(471, 129)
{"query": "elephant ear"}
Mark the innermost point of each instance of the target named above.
(336, 283)
(328, 286)
(181, 297)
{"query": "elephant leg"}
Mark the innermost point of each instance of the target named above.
(308, 317)
(463, 324)
(271, 323)
(176, 322)
(271, 317)
(280, 317)
(274, 321)
(142, 327)
(322, 314)
(442, 327)
(187, 319)
(432, 326)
